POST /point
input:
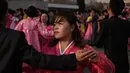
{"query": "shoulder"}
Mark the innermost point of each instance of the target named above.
(14, 34)
(105, 21)
(23, 21)
(11, 36)
(124, 22)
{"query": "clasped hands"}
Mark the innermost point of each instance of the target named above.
(85, 55)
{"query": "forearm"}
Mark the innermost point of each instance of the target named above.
(39, 60)
(64, 62)
(32, 57)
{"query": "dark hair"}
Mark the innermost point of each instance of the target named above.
(25, 11)
(17, 9)
(10, 11)
(32, 12)
(93, 9)
(117, 6)
(105, 11)
(3, 8)
(21, 11)
(72, 19)
(13, 12)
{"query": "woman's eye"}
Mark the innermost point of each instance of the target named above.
(54, 24)
(60, 23)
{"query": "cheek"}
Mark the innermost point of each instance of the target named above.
(47, 18)
(64, 31)
(41, 18)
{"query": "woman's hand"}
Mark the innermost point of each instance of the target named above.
(93, 56)
(89, 55)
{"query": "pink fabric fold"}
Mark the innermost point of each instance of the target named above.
(88, 32)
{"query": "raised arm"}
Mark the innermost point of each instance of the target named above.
(47, 34)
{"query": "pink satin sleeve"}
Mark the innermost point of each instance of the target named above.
(47, 34)
(19, 26)
(103, 65)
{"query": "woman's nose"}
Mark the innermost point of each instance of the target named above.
(55, 27)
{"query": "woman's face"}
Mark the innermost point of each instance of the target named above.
(44, 18)
(62, 29)
(92, 13)
(15, 14)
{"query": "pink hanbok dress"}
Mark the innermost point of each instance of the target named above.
(46, 40)
(103, 65)
(88, 33)
(32, 29)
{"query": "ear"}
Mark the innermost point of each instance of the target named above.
(72, 28)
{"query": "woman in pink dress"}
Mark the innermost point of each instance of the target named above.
(44, 41)
(32, 29)
(88, 33)
(45, 22)
(68, 40)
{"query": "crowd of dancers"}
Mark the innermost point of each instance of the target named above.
(62, 33)
(88, 22)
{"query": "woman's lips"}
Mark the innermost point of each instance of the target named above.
(56, 32)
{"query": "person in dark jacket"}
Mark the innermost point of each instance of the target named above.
(94, 25)
(114, 36)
